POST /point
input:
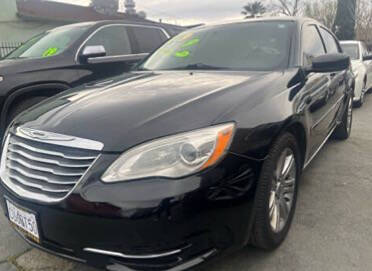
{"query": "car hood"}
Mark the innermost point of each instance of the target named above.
(23, 65)
(126, 111)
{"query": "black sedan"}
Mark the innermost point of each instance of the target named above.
(197, 153)
(70, 56)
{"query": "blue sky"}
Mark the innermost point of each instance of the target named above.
(185, 12)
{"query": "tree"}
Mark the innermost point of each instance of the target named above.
(288, 7)
(107, 7)
(363, 20)
(323, 11)
(251, 10)
(344, 26)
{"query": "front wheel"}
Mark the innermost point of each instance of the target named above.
(276, 193)
(343, 130)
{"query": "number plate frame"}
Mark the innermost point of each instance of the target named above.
(32, 229)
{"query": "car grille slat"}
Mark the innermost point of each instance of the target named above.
(42, 167)
(48, 152)
(43, 159)
(44, 170)
(29, 183)
(48, 178)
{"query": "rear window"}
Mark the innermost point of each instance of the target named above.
(147, 39)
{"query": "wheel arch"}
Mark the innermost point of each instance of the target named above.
(16, 96)
(296, 127)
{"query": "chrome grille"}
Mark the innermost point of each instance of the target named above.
(43, 171)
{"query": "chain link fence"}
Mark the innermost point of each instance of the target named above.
(8, 46)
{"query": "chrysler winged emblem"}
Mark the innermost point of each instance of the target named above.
(43, 136)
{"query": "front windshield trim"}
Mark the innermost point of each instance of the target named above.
(284, 64)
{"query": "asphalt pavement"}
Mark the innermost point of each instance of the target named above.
(332, 229)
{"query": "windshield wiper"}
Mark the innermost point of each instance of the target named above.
(200, 66)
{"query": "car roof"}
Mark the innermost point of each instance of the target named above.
(108, 22)
(298, 20)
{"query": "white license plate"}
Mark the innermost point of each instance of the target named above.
(23, 221)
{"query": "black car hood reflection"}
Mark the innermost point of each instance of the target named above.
(137, 107)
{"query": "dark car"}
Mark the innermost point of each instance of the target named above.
(69, 56)
(197, 153)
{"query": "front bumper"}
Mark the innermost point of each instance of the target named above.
(149, 225)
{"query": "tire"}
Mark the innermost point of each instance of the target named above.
(22, 106)
(343, 130)
(267, 233)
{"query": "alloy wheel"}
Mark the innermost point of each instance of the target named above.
(282, 190)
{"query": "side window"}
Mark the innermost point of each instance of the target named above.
(330, 42)
(147, 39)
(114, 38)
(312, 44)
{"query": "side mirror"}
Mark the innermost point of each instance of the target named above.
(93, 52)
(367, 57)
(329, 63)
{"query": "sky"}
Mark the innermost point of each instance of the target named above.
(185, 12)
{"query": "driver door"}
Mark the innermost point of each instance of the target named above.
(317, 91)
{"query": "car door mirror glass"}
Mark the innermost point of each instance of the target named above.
(93, 52)
(329, 63)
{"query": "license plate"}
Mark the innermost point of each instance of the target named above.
(24, 221)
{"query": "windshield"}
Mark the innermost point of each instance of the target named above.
(244, 46)
(351, 50)
(49, 43)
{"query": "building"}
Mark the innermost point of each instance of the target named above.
(22, 19)
(14, 29)
(130, 7)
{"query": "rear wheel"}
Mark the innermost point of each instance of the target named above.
(276, 193)
(343, 131)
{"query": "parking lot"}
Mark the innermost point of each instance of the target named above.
(332, 228)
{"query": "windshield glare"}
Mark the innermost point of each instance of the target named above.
(244, 46)
(48, 44)
(351, 50)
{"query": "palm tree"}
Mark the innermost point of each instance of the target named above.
(251, 10)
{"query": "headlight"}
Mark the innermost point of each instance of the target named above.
(1, 79)
(173, 156)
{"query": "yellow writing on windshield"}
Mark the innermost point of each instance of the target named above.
(50, 52)
(182, 54)
(191, 43)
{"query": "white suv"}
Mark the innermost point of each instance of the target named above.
(361, 60)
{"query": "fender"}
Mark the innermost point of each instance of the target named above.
(9, 99)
